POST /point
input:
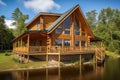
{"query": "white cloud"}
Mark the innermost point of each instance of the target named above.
(41, 5)
(2, 3)
(9, 24)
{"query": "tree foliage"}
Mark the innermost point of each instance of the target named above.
(6, 35)
(107, 27)
(19, 19)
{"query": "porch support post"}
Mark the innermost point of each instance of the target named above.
(18, 46)
(72, 31)
(59, 57)
(28, 43)
(80, 59)
(21, 45)
(28, 58)
(48, 48)
(47, 59)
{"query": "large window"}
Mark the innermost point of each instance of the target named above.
(59, 30)
(76, 27)
(58, 42)
(67, 26)
(77, 42)
(66, 42)
(67, 23)
(38, 25)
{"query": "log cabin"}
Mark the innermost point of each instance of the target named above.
(65, 36)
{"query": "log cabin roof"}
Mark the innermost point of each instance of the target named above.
(42, 14)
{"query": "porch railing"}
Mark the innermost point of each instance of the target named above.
(38, 49)
(56, 49)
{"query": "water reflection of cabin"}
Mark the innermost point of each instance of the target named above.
(56, 34)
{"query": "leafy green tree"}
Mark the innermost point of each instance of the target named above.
(19, 19)
(91, 18)
(106, 26)
(6, 35)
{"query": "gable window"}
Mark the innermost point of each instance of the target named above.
(59, 30)
(77, 43)
(67, 23)
(66, 42)
(58, 42)
(67, 26)
(67, 32)
(38, 25)
(76, 27)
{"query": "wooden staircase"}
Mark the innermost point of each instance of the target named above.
(99, 52)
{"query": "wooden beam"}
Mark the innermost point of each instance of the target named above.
(72, 30)
(47, 59)
(59, 57)
(28, 43)
(80, 59)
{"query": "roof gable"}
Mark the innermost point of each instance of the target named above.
(42, 14)
(65, 16)
(61, 19)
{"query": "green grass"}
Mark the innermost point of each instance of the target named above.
(111, 54)
(7, 62)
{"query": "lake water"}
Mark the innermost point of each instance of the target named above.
(109, 71)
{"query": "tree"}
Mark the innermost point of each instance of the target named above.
(6, 35)
(2, 31)
(91, 18)
(19, 19)
(106, 26)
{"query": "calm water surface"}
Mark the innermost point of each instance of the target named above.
(109, 71)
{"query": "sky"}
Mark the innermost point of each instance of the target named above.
(33, 7)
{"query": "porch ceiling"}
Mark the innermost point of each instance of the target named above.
(37, 35)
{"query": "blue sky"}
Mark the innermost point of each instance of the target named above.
(33, 7)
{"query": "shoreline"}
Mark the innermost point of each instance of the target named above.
(46, 67)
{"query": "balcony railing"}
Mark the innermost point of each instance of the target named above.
(55, 49)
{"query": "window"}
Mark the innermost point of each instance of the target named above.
(60, 26)
(58, 42)
(38, 25)
(67, 32)
(76, 26)
(77, 33)
(66, 42)
(83, 43)
(67, 26)
(67, 23)
(59, 30)
(77, 42)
